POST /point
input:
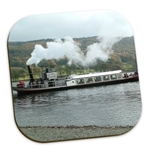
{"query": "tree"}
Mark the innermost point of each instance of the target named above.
(53, 64)
(36, 70)
(17, 72)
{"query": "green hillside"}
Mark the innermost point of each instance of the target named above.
(123, 57)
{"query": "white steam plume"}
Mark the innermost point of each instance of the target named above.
(68, 47)
(100, 50)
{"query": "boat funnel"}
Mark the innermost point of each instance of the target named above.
(30, 74)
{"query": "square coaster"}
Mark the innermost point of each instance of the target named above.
(74, 76)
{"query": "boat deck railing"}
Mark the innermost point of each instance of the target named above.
(36, 86)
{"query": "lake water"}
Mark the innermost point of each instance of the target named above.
(114, 105)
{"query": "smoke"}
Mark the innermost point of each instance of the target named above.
(69, 48)
(100, 50)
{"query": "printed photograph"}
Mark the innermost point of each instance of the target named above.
(74, 75)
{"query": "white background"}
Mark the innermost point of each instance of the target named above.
(137, 13)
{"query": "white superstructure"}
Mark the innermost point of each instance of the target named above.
(51, 75)
(93, 77)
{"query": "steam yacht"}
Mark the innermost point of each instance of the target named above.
(50, 82)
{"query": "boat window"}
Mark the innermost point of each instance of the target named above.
(89, 80)
(80, 81)
(119, 75)
(106, 77)
(72, 81)
(97, 79)
(113, 76)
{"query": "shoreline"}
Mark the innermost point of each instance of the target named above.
(45, 134)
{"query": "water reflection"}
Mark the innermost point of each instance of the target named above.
(106, 105)
(48, 98)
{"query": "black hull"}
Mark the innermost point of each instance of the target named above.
(25, 91)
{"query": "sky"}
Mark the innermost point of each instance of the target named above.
(73, 24)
